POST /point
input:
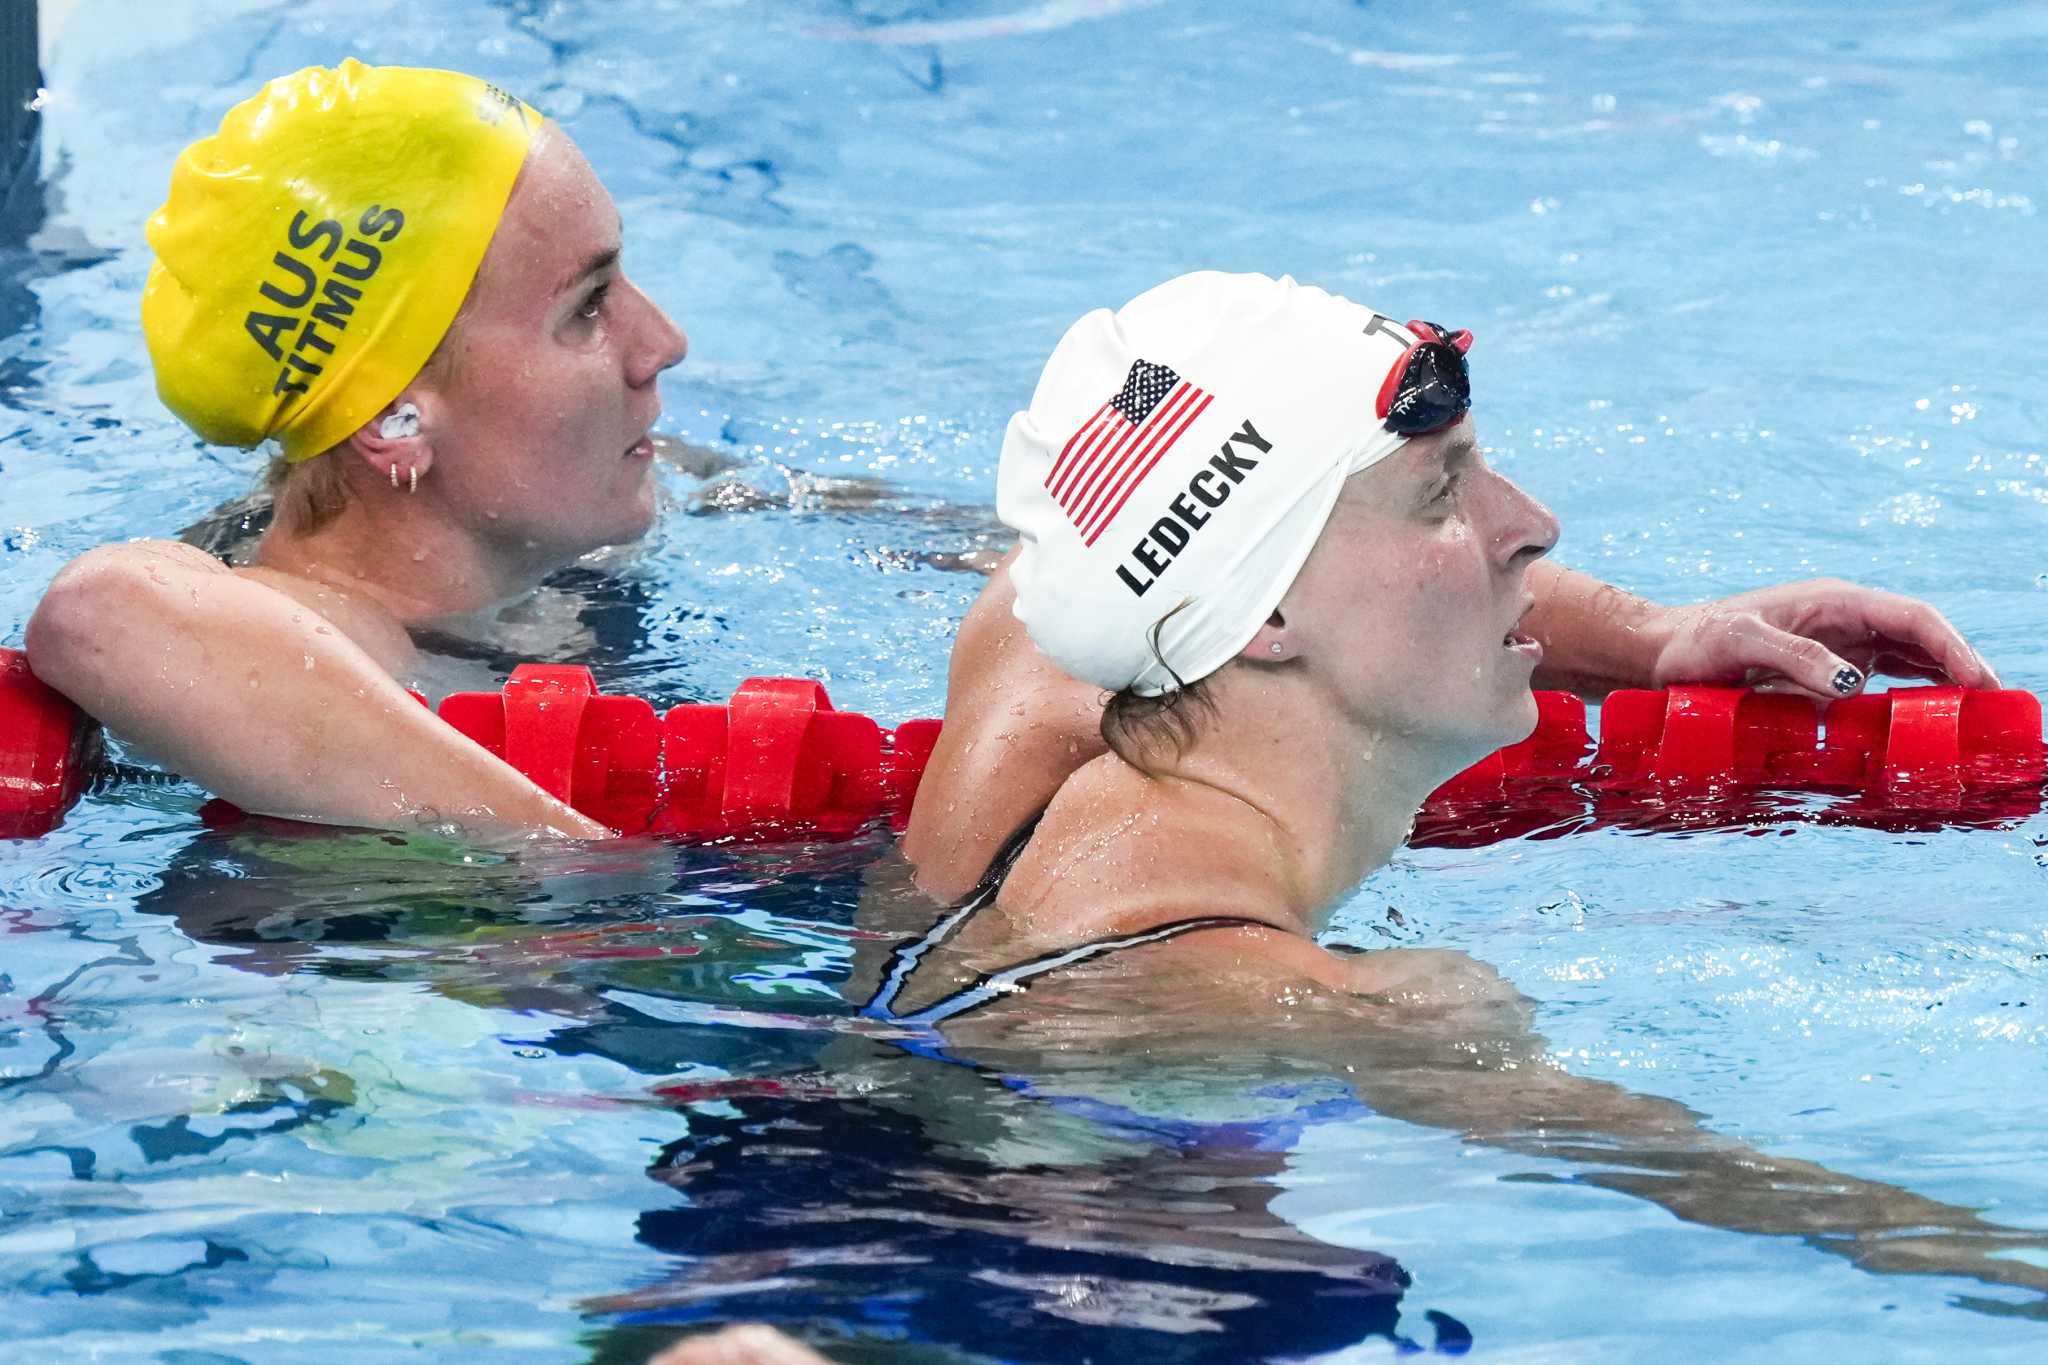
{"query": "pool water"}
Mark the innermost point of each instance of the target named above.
(1757, 293)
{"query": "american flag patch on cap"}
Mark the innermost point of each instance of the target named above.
(1109, 455)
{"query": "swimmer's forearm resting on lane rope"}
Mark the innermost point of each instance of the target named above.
(1821, 638)
(257, 697)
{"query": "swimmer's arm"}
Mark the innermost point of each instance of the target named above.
(1016, 729)
(750, 1343)
(1446, 1042)
(1438, 1038)
(699, 462)
(266, 700)
(1821, 638)
(1595, 637)
(727, 489)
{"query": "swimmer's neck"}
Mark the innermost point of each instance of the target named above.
(1336, 794)
(412, 562)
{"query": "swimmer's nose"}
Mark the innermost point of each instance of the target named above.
(1528, 529)
(657, 342)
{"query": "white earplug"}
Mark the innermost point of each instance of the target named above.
(403, 422)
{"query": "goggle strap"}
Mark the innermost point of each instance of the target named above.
(1391, 385)
(1433, 331)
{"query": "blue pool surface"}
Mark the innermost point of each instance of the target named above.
(1758, 293)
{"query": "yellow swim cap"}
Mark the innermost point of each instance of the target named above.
(314, 251)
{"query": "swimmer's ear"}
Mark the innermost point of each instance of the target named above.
(395, 444)
(1273, 644)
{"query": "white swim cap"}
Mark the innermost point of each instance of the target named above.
(1178, 460)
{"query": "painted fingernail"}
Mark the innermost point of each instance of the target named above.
(1847, 680)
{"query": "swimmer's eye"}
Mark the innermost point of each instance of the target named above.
(593, 305)
(1443, 494)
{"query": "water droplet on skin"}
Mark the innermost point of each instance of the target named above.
(309, 662)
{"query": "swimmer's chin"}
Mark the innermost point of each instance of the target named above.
(645, 515)
(1518, 719)
(1527, 717)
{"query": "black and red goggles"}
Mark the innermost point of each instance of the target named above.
(1428, 388)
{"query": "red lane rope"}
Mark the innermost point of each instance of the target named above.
(778, 762)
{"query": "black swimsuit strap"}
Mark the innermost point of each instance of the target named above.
(904, 960)
(907, 954)
(1011, 979)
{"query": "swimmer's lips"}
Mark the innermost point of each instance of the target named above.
(642, 449)
(1520, 641)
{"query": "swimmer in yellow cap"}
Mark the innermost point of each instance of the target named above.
(410, 282)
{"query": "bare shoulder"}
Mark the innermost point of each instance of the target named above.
(1439, 979)
(140, 557)
(1238, 990)
(1114, 855)
(117, 604)
(361, 619)
(98, 587)
(1253, 977)
(1118, 852)
(150, 575)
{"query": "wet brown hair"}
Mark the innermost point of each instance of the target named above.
(1136, 726)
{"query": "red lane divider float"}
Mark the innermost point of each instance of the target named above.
(47, 751)
(1706, 756)
(1915, 743)
(778, 762)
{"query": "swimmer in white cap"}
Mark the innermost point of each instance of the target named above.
(1168, 484)
(1257, 515)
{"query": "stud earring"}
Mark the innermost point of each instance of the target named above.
(1276, 647)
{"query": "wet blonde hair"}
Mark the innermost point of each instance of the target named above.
(308, 494)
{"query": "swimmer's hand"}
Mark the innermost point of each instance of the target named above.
(1823, 639)
(746, 1344)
